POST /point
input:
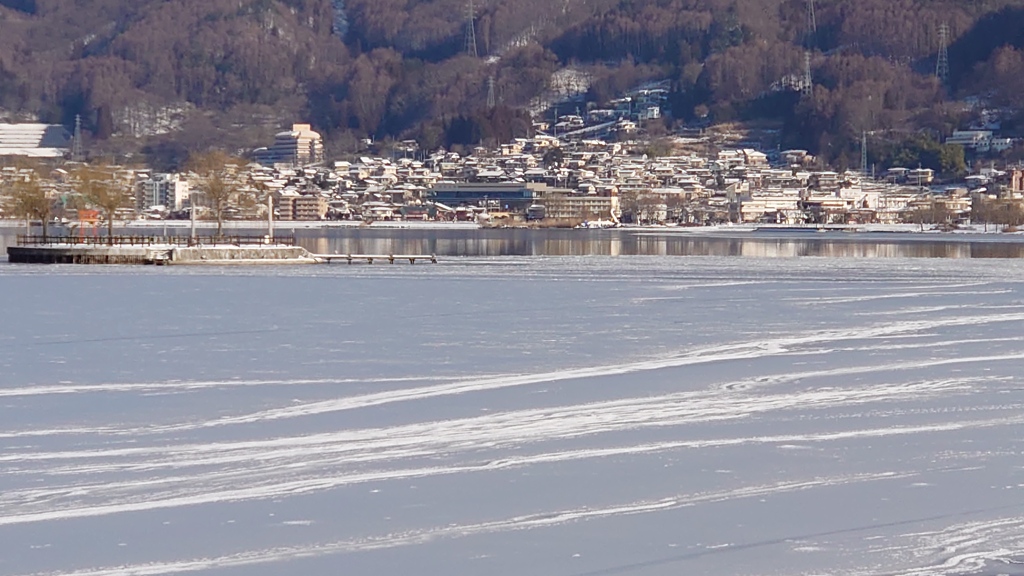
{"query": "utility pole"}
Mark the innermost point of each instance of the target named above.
(942, 62)
(864, 153)
(491, 102)
(471, 31)
(192, 216)
(270, 217)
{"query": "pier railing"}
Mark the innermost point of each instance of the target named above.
(132, 240)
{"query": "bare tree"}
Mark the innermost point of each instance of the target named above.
(982, 210)
(629, 204)
(931, 212)
(29, 199)
(99, 186)
(1001, 212)
(651, 208)
(218, 189)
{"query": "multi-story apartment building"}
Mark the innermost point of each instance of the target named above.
(168, 190)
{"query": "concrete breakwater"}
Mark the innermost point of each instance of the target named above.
(182, 250)
(158, 254)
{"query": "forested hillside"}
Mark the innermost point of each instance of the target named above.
(174, 75)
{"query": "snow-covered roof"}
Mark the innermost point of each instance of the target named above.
(34, 140)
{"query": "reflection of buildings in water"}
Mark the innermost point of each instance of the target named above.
(584, 243)
(319, 245)
(847, 249)
(704, 247)
(482, 243)
(652, 246)
(854, 249)
(583, 246)
(770, 249)
(996, 250)
(857, 250)
(943, 250)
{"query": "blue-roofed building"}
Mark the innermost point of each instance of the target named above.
(505, 196)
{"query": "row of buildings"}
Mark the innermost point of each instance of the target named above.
(560, 182)
(543, 179)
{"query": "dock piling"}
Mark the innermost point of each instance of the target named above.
(369, 258)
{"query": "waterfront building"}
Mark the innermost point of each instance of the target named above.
(507, 196)
(294, 206)
(777, 208)
(564, 206)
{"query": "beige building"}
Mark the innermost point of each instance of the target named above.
(580, 207)
(785, 208)
(296, 147)
(296, 207)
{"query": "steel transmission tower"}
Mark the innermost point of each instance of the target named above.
(807, 86)
(942, 62)
(491, 103)
(471, 31)
(76, 143)
(812, 23)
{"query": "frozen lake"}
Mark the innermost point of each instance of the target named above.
(567, 416)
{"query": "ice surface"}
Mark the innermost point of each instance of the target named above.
(510, 416)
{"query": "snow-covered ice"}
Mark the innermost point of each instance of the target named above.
(507, 416)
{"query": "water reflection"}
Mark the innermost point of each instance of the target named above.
(627, 243)
(478, 243)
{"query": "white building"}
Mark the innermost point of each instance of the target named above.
(972, 139)
(980, 140)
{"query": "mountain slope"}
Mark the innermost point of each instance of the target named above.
(196, 73)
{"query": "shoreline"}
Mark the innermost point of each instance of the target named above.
(178, 226)
(206, 225)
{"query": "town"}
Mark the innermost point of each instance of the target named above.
(563, 176)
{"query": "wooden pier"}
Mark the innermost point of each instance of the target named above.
(369, 258)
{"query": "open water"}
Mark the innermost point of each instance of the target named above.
(556, 415)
